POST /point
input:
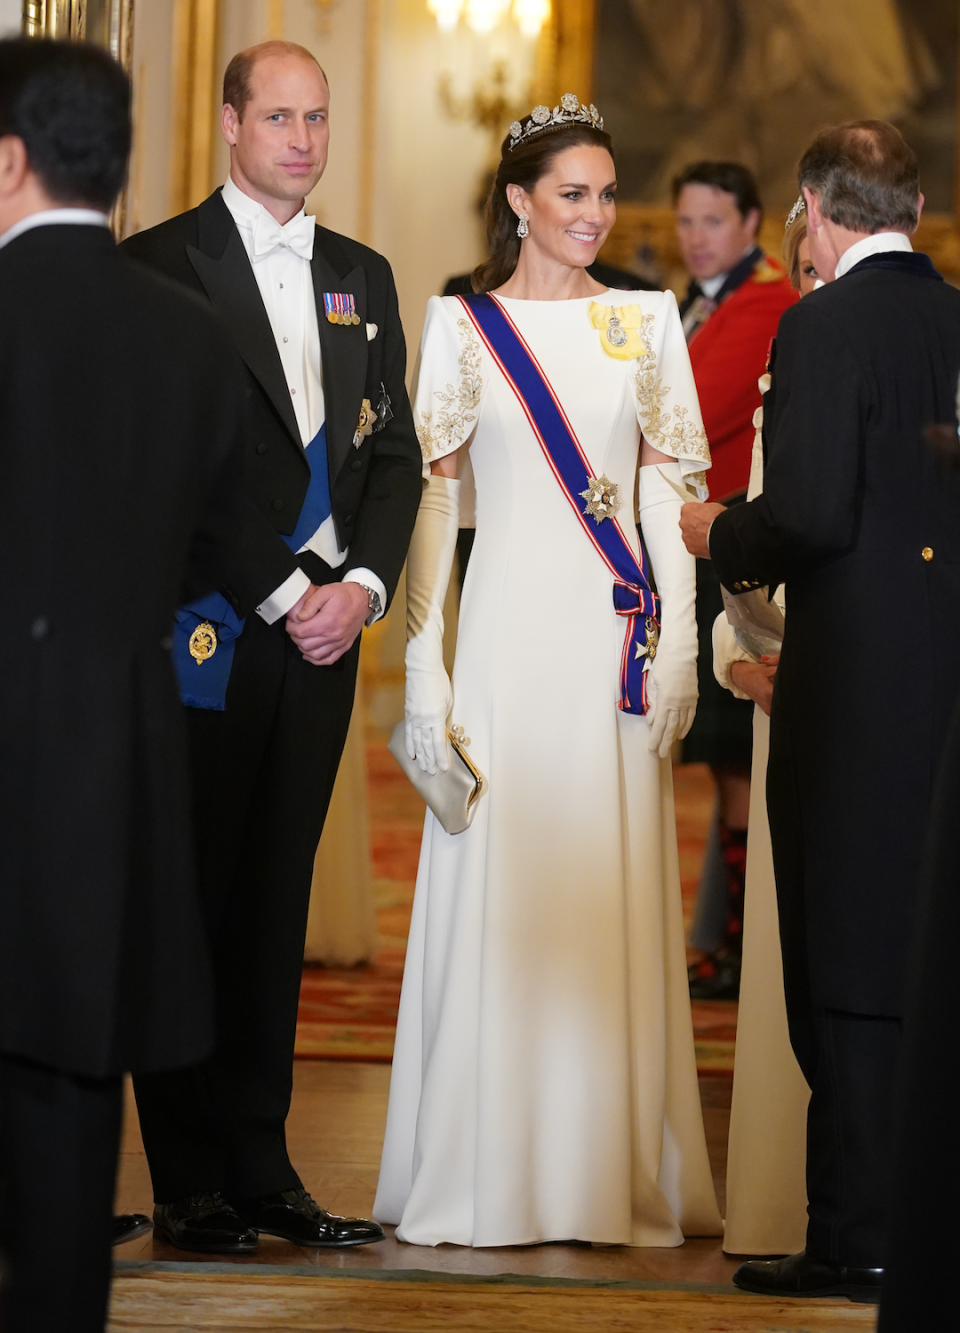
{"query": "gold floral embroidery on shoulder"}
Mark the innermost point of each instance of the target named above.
(670, 432)
(446, 428)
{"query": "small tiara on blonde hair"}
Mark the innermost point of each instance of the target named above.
(798, 208)
(571, 111)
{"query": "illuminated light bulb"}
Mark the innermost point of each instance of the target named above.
(531, 15)
(484, 15)
(447, 13)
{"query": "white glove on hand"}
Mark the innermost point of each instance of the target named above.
(428, 693)
(672, 678)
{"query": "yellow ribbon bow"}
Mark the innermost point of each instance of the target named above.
(619, 327)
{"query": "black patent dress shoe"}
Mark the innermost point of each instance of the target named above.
(204, 1222)
(804, 1275)
(128, 1226)
(292, 1215)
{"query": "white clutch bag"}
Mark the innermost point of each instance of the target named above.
(453, 796)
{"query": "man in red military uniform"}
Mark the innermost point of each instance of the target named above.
(730, 316)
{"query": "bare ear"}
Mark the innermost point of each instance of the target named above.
(814, 211)
(229, 120)
(517, 198)
(14, 165)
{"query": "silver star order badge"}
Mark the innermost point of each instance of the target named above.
(648, 648)
(603, 498)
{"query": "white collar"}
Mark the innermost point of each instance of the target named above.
(245, 210)
(710, 286)
(878, 244)
(48, 217)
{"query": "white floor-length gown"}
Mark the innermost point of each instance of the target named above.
(544, 1082)
(767, 1145)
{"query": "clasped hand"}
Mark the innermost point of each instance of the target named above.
(755, 679)
(695, 521)
(326, 621)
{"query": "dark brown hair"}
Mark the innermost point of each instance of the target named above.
(865, 175)
(731, 177)
(236, 77)
(528, 162)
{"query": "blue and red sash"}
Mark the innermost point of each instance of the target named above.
(632, 596)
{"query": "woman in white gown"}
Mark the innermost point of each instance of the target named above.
(544, 1083)
(766, 1149)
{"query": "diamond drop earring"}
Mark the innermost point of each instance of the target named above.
(523, 226)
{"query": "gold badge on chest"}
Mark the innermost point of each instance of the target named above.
(619, 328)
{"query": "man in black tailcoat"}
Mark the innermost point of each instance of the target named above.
(335, 468)
(121, 406)
(859, 522)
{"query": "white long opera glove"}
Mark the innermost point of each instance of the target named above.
(428, 692)
(672, 678)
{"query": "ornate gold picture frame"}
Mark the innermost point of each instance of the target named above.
(567, 58)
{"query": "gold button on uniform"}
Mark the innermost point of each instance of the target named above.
(736, 587)
(927, 553)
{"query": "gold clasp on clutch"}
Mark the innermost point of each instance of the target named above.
(458, 743)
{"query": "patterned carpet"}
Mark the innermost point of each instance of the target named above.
(351, 1013)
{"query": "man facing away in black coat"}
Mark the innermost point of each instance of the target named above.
(860, 523)
(334, 467)
(121, 406)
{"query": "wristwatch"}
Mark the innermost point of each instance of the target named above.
(374, 604)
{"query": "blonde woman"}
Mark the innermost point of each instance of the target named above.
(766, 1154)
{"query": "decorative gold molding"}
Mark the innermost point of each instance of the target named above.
(195, 101)
(54, 18)
(109, 23)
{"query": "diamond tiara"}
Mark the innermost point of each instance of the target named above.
(571, 111)
(798, 208)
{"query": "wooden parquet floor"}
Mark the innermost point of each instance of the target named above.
(335, 1130)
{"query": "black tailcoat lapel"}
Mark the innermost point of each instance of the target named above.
(223, 267)
(343, 353)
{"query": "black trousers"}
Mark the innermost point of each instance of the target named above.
(263, 773)
(59, 1140)
(850, 1062)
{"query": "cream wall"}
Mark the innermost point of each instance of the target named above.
(11, 13)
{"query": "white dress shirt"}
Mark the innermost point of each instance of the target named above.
(880, 243)
(74, 217)
(280, 257)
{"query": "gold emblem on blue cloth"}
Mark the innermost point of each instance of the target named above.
(203, 642)
(648, 648)
(603, 498)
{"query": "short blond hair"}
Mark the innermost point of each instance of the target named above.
(237, 76)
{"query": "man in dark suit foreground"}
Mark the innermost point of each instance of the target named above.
(859, 521)
(120, 406)
(334, 467)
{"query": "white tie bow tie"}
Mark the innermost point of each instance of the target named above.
(298, 235)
